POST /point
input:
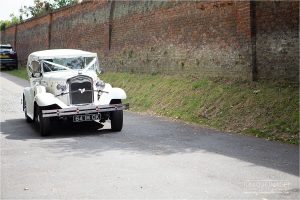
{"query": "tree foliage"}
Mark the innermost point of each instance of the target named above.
(6, 23)
(40, 7)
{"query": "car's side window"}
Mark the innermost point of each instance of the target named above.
(47, 67)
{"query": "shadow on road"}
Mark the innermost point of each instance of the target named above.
(155, 136)
(18, 129)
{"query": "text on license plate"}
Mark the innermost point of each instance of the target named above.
(4, 56)
(83, 118)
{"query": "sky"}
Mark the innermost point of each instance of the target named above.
(12, 6)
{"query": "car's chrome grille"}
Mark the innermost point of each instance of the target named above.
(81, 90)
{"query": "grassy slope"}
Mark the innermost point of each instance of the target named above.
(259, 109)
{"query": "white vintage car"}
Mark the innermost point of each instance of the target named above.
(65, 84)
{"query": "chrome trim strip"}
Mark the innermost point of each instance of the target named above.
(84, 110)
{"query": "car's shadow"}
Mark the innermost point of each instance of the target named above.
(18, 129)
(70, 129)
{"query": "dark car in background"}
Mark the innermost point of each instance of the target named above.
(8, 57)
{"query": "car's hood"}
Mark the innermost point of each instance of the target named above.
(52, 79)
(63, 76)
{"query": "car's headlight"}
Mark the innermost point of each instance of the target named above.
(100, 85)
(61, 87)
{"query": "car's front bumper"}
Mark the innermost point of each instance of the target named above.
(89, 109)
(8, 61)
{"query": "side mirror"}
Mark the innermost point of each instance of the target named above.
(36, 69)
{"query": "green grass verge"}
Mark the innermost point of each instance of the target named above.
(21, 73)
(261, 109)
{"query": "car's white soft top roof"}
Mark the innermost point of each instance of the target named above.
(59, 53)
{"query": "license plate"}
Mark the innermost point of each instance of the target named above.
(84, 118)
(4, 56)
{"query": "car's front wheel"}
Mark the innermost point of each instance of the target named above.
(116, 118)
(41, 123)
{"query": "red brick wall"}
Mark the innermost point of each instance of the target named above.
(80, 26)
(199, 38)
(8, 36)
(204, 38)
(32, 36)
(277, 30)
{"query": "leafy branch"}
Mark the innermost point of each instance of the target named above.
(40, 7)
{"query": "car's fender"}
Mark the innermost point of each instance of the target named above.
(38, 95)
(30, 94)
(28, 100)
(111, 93)
(47, 99)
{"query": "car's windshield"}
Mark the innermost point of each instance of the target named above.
(76, 63)
(5, 48)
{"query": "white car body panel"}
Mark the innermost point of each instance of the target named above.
(46, 99)
(28, 95)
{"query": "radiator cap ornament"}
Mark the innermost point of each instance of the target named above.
(82, 90)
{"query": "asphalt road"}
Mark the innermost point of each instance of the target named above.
(151, 158)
